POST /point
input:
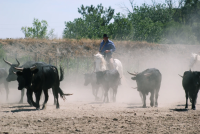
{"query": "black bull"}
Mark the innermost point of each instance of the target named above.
(12, 77)
(90, 78)
(148, 81)
(40, 78)
(191, 85)
(108, 79)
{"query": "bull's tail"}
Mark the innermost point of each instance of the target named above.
(62, 95)
(61, 73)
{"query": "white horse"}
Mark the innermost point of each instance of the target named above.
(101, 65)
(193, 60)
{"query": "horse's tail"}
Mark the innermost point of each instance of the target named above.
(119, 67)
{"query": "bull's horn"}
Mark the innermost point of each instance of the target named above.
(33, 68)
(19, 69)
(135, 72)
(180, 75)
(68, 94)
(14, 72)
(131, 73)
(134, 88)
(18, 63)
(7, 62)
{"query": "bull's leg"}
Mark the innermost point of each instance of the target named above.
(114, 94)
(102, 94)
(156, 98)
(193, 104)
(194, 101)
(111, 94)
(38, 94)
(97, 90)
(106, 95)
(152, 99)
(141, 96)
(93, 92)
(22, 96)
(46, 99)
(7, 89)
(186, 96)
(30, 97)
(144, 100)
(56, 97)
(104, 99)
(107, 99)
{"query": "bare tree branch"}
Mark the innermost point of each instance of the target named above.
(125, 8)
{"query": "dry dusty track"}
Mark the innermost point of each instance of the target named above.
(81, 114)
(96, 117)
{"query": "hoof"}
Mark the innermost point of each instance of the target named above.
(44, 107)
(57, 106)
(144, 106)
(30, 103)
(194, 108)
(38, 109)
(20, 102)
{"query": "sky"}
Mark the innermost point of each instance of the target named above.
(20, 13)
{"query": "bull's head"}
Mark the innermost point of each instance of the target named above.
(25, 76)
(11, 75)
(88, 78)
(139, 77)
(134, 74)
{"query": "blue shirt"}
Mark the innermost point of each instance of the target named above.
(108, 46)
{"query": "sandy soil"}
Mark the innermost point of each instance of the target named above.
(81, 114)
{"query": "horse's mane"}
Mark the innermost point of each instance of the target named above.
(103, 61)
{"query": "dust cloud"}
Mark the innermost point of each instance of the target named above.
(172, 61)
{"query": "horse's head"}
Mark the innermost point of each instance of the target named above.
(98, 56)
(100, 62)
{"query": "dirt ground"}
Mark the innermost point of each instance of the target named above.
(81, 114)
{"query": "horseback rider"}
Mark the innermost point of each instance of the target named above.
(107, 47)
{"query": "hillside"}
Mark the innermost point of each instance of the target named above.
(77, 55)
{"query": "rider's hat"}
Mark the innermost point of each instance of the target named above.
(105, 35)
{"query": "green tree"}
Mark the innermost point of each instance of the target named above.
(149, 21)
(39, 30)
(93, 23)
(121, 28)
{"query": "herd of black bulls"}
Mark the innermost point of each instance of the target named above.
(38, 76)
(147, 81)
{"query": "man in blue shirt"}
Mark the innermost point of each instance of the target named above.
(107, 47)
